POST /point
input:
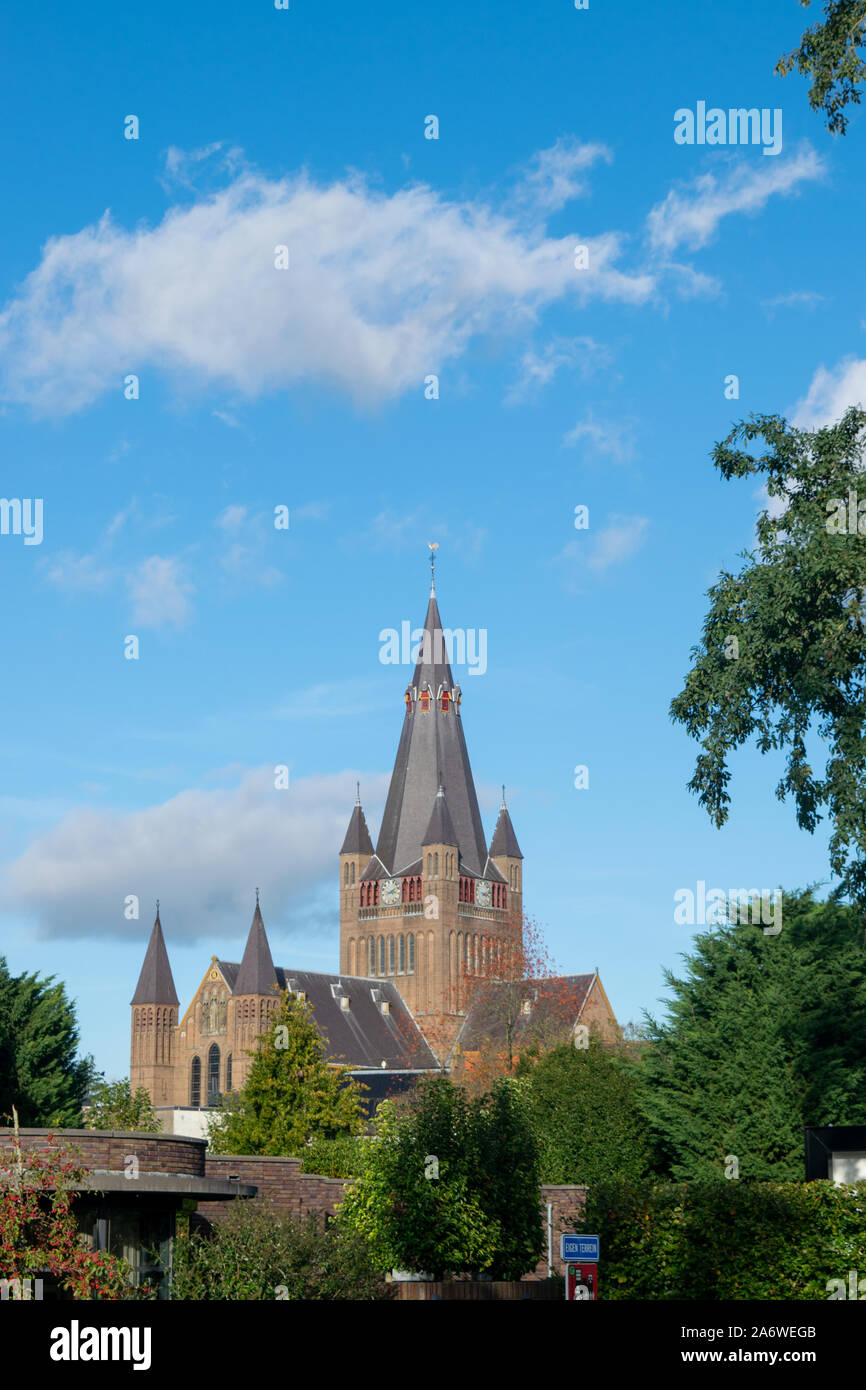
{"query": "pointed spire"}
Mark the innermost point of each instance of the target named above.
(155, 983)
(504, 840)
(357, 839)
(440, 830)
(431, 752)
(257, 974)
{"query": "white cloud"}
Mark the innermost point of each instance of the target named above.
(159, 592)
(381, 291)
(598, 550)
(539, 367)
(690, 216)
(831, 392)
(614, 438)
(81, 573)
(806, 299)
(232, 517)
(554, 175)
(201, 853)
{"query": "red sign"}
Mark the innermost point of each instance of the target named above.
(581, 1282)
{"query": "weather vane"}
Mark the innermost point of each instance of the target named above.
(432, 546)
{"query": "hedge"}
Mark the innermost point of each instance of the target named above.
(726, 1239)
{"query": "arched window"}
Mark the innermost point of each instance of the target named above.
(436, 864)
(371, 955)
(429, 865)
(345, 876)
(390, 955)
(195, 1082)
(411, 944)
(401, 955)
(352, 880)
(213, 1074)
(229, 1072)
(381, 955)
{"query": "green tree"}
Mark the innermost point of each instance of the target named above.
(451, 1186)
(255, 1253)
(585, 1109)
(507, 1168)
(113, 1105)
(291, 1093)
(828, 54)
(765, 1034)
(783, 653)
(40, 1073)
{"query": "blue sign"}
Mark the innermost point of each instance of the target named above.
(578, 1249)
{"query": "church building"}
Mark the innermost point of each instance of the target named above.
(425, 915)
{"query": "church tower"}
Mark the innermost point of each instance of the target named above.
(431, 907)
(154, 1020)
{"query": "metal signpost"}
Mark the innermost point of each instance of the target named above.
(580, 1256)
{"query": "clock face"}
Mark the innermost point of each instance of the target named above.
(482, 892)
(390, 891)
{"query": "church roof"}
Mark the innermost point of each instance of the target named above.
(440, 830)
(257, 974)
(554, 1006)
(362, 1035)
(504, 840)
(431, 753)
(155, 983)
(357, 839)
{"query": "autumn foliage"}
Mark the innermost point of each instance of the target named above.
(38, 1232)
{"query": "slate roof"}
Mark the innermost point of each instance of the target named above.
(155, 983)
(440, 829)
(431, 753)
(257, 973)
(357, 839)
(504, 840)
(556, 1001)
(360, 1036)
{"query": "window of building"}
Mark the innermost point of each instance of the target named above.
(345, 876)
(401, 955)
(411, 944)
(229, 1072)
(381, 955)
(213, 1074)
(352, 880)
(436, 864)
(390, 955)
(195, 1082)
(371, 955)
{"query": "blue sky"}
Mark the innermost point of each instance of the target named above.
(305, 387)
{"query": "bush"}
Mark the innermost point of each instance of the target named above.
(726, 1239)
(256, 1254)
(342, 1157)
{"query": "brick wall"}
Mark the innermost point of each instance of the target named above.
(280, 1181)
(107, 1150)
